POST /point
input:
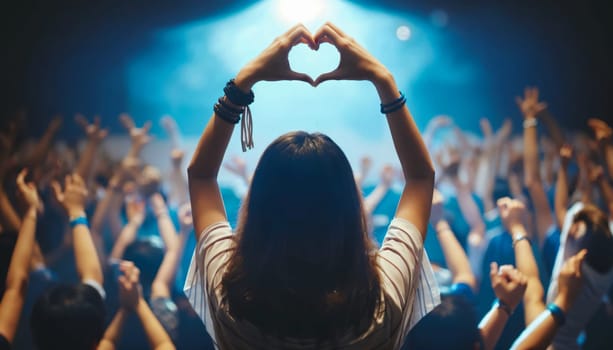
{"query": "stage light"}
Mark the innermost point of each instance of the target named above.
(300, 11)
(403, 33)
(181, 72)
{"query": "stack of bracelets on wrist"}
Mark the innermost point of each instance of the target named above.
(395, 105)
(232, 114)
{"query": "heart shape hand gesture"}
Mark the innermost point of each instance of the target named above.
(273, 64)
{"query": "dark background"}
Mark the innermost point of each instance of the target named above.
(66, 56)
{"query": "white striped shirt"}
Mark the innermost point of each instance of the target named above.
(409, 292)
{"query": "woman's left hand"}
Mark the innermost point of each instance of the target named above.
(273, 63)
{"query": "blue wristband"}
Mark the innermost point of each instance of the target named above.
(80, 220)
(557, 313)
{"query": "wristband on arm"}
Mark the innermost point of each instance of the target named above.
(557, 314)
(79, 220)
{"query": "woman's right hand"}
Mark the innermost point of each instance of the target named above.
(273, 63)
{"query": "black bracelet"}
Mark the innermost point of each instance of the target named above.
(237, 96)
(394, 105)
(225, 114)
(229, 107)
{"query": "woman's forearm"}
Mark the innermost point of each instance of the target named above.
(412, 152)
(211, 149)
(416, 197)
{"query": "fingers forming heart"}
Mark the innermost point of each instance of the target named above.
(327, 61)
(314, 63)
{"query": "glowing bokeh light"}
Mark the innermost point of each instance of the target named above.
(403, 33)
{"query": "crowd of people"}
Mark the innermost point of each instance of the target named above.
(494, 241)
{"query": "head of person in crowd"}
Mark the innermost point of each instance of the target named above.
(150, 180)
(590, 230)
(451, 325)
(303, 251)
(450, 161)
(70, 317)
(147, 254)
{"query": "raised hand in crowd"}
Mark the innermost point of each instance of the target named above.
(17, 276)
(132, 301)
(139, 136)
(43, 145)
(509, 285)
(73, 199)
(238, 166)
(363, 170)
(135, 213)
(602, 131)
(455, 256)
(388, 174)
(530, 108)
(539, 333)
(172, 129)
(95, 135)
(603, 134)
(513, 215)
(177, 181)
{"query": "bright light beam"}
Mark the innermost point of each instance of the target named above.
(300, 11)
(181, 73)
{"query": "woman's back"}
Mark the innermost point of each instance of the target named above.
(301, 265)
(401, 262)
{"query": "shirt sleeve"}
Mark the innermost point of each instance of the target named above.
(202, 285)
(407, 278)
(399, 257)
(97, 286)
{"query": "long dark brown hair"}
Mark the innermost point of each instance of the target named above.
(304, 266)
